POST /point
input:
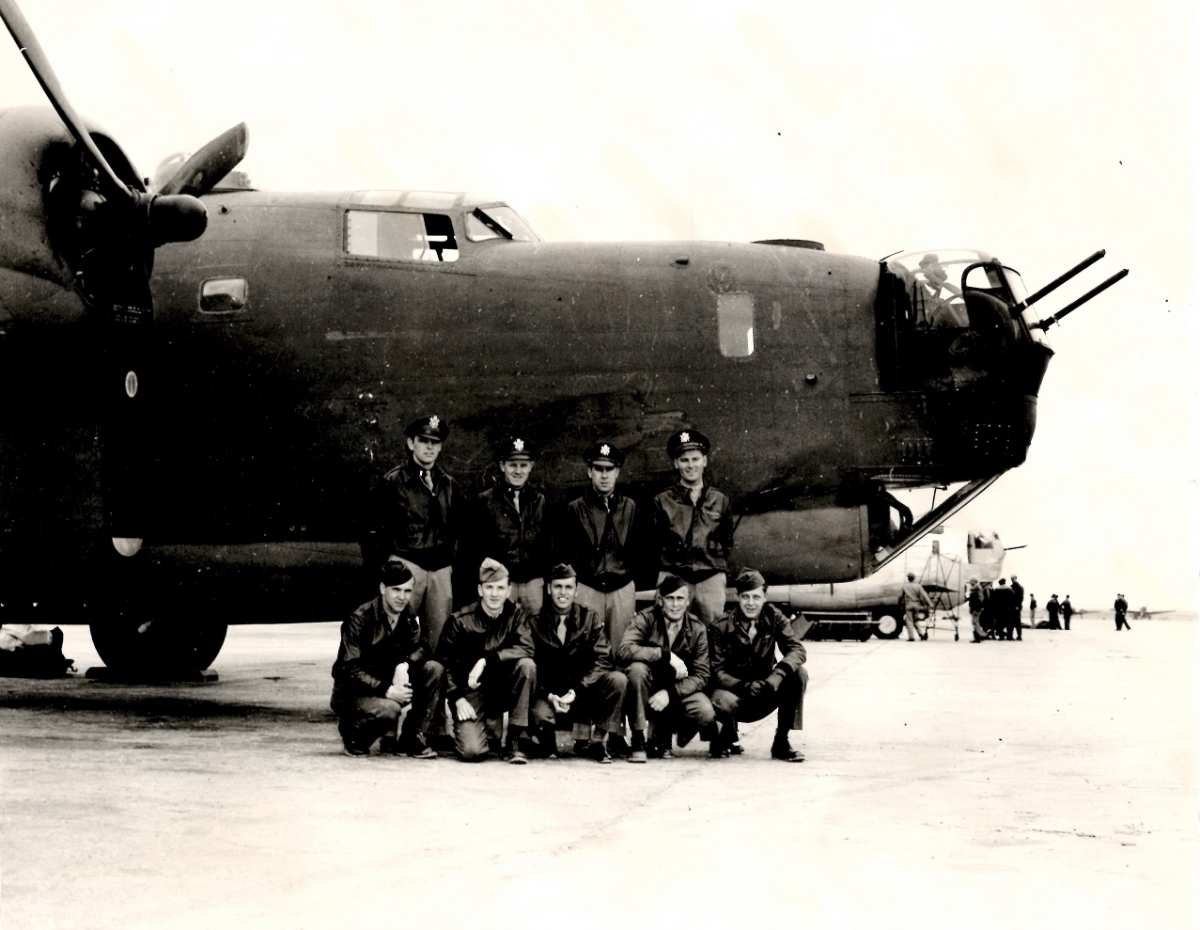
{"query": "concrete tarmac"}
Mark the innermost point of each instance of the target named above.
(1049, 783)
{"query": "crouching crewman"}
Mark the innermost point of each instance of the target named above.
(488, 654)
(384, 664)
(665, 650)
(576, 681)
(748, 681)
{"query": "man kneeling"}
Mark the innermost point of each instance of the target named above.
(666, 651)
(488, 654)
(380, 640)
(575, 675)
(749, 683)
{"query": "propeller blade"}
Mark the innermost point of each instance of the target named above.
(198, 175)
(39, 64)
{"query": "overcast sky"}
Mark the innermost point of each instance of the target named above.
(1038, 132)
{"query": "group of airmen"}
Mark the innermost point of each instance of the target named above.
(554, 640)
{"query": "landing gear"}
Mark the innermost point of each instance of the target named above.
(158, 648)
(887, 625)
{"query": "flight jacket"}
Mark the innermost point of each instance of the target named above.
(413, 522)
(645, 640)
(470, 635)
(370, 651)
(737, 660)
(694, 540)
(518, 539)
(576, 663)
(599, 540)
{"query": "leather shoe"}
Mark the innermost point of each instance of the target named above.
(517, 756)
(637, 755)
(424, 752)
(350, 749)
(598, 752)
(784, 752)
(736, 748)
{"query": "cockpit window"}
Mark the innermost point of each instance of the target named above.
(411, 237)
(498, 222)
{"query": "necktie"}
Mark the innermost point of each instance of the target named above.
(753, 629)
(672, 632)
(517, 501)
(427, 478)
(562, 629)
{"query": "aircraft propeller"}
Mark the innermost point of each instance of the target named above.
(104, 226)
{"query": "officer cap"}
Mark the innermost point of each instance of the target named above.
(431, 426)
(560, 572)
(491, 570)
(516, 447)
(748, 580)
(604, 453)
(670, 584)
(394, 573)
(686, 440)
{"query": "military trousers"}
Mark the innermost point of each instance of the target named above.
(684, 715)
(432, 597)
(506, 688)
(616, 607)
(362, 720)
(787, 699)
(528, 594)
(600, 704)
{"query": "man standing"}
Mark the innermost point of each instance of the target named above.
(749, 681)
(1052, 608)
(487, 650)
(665, 651)
(693, 526)
(416, 506)
(1032, 610)
(975, 606)
(1002, 609)
(508, 524)
(1018, 597)
(380, 637)
(1120, 607)
(597, 538)
(1067, 612)
(913, 598)
(576, 680)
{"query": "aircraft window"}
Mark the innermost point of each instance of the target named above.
(497, 222)
(735, 325)
(223, 295)
(421, 237)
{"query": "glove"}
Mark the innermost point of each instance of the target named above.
(756, 688)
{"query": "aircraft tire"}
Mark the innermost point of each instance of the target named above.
(888, 625)
(157, 653)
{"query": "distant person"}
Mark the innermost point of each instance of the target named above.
(944, 305)
(1067, 612)
(508, 524)
(1120, 607)
(666, 658)
(1032, 609)
(1001, 607)
(1018, 595)
(749, 680)
(1052, 609)
(693, 526)
(487, 649)
(914, 600)
(975, 606)
(384, 665)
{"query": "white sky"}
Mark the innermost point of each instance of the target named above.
(1036, 131)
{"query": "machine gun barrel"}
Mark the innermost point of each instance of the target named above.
(1080, 301)
(1059, 281)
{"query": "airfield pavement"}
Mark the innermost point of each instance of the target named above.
(1049, 783)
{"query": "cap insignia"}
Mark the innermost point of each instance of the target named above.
(434, 421)
(685, 437)
(606, 449)
(518, 445)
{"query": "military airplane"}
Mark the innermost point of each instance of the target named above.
(202, 380)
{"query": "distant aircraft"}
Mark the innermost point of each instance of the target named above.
(944, 563)
(202, 381)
